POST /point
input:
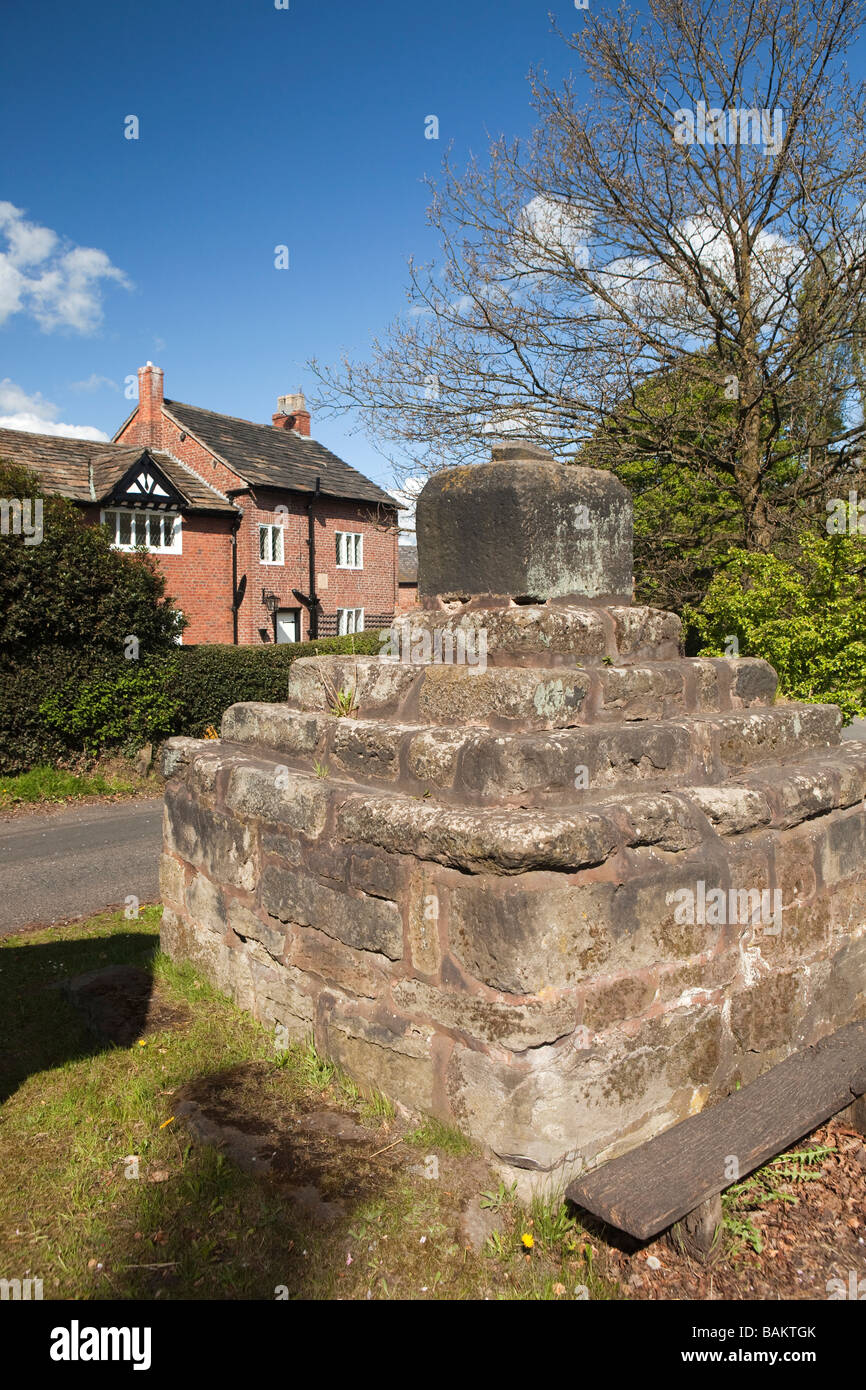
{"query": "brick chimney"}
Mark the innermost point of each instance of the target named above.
(149, 423)
(292, 414)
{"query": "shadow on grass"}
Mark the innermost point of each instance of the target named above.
(192, 1224)
(214, 1232)
(116, 1195)
(40, 1027)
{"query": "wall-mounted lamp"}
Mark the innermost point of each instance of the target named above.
(271, 603)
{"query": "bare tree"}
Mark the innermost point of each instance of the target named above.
(699, 223)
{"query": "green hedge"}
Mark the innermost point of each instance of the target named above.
(60, 704)
(26, 740)
(206, 680)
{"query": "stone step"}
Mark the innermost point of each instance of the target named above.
(515, 697)
(564, 767)
(534, 634)
(500, 840)
(661, 690)
(784, 795)
(570, 766)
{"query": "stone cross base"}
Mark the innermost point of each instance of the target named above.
(546, 879)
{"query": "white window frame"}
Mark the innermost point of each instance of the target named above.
(272, 530)
(349, 620)
(350, 550)
(140, 529)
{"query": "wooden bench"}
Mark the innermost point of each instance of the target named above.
(678, 1176)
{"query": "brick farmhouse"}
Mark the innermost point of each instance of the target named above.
(263, 534)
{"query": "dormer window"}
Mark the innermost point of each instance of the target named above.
(158, 531)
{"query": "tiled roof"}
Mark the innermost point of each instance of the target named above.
(270, 457)
(86, 470)
(62, 465)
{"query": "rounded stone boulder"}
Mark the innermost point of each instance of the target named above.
(526, 528)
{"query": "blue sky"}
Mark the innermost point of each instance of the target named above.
(258, 127)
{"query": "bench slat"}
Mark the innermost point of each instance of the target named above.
(656, 1184)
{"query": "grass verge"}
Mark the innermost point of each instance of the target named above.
(53, 784)
(108, 1196)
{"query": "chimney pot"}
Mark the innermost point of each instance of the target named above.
(292, 414)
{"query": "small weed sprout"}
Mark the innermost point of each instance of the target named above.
(343, 702)
(316, 1071)
(762, 1188)
(495, 1201)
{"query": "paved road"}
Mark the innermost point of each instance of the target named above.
(63, 863)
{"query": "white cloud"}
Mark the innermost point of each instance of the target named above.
(60, 284)
(510, 426)
(12, 284)
(406, 497)
(35, 415)
(777, 263)
(643, 285)
(550, 231)
(551, 234)
(94, 383)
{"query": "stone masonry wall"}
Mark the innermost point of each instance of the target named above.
(549, 1001)
(545, 878)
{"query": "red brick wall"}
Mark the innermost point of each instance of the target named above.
(199, 580)
(168, 436)
(374, 588)
(407, 597)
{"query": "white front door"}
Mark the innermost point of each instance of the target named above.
(288, 624)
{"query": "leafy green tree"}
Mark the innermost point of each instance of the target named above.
(69, 607)
(71, 590)
(807, 617)
(688, 509)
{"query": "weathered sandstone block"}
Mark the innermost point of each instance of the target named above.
(570, 530)
(549, 880)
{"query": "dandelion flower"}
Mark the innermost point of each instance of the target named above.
(528, 1240)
